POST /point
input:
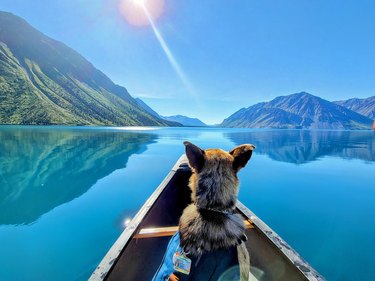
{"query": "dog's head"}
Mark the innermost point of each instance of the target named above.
(214, 181)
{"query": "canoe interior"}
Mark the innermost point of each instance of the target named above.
(141, 258)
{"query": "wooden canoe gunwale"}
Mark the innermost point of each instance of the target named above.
(292, 256)
(107, 264)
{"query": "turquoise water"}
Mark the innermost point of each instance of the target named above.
(66, 192)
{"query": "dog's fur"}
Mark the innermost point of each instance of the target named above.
(209, 223)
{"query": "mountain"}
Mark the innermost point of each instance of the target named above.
(171, 123)
(186, 121)
(301, 110)
(178, 119)
(365, 107)
(42, 81)
(142, 104)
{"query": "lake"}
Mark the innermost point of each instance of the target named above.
(66, 192)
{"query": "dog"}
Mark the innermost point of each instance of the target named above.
(211, 234)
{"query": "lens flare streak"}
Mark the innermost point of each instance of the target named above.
(170, 57)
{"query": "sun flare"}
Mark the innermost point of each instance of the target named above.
(135, 11)
(145, 12)
(139, 2)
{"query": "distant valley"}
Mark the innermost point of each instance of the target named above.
(186, 121)
(179, 119)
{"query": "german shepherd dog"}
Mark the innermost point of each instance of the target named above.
(210, 223)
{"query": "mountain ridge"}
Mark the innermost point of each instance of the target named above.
(297, 111)
(146, 107)
(365, 106)
(44, 82)
(185, 120)
(179, 119)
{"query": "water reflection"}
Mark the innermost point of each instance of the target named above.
(42, 169)
(302, 146)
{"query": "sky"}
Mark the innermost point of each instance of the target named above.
(221, 55)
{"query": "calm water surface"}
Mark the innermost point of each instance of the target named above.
(66, 192)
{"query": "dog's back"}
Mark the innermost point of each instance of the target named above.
(210, 232)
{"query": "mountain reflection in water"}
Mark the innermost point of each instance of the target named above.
(65, 192)
(303, 146)
(42, 169)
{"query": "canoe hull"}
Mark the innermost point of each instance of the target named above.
(131, 258)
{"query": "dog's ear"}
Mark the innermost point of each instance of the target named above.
(241, 155)
(195, 155)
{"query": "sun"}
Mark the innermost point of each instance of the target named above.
(137, 12)
(139, 2)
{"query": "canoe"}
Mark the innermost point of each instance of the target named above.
(138, 252)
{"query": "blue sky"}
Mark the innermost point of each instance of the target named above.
(233, 53)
